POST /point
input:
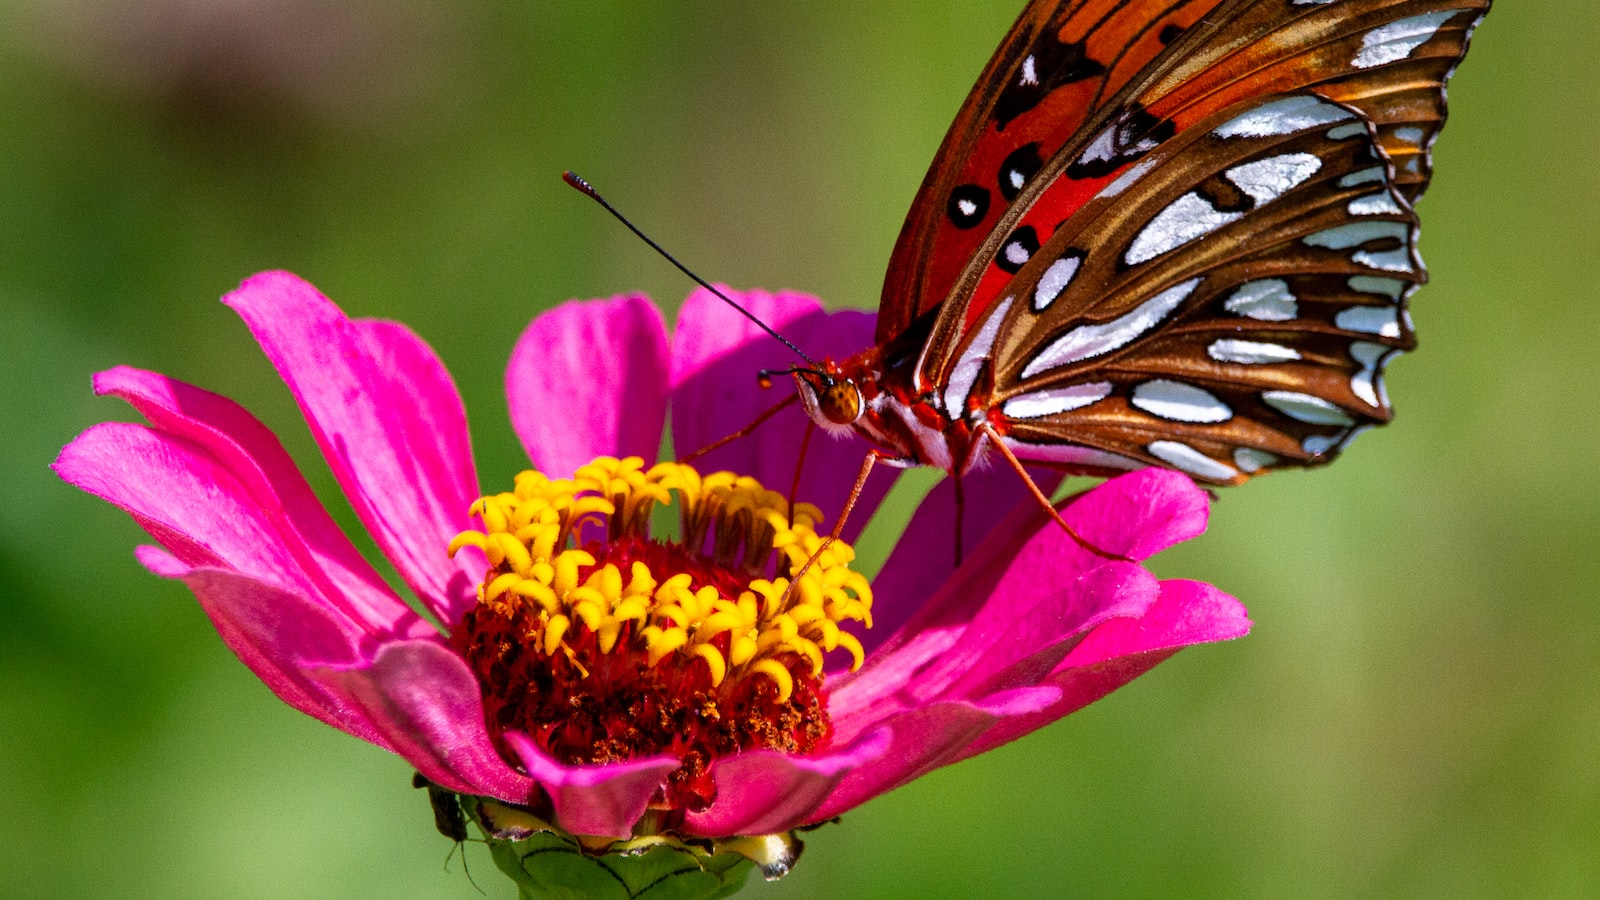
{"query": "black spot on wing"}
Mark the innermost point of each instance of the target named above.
(1015, 252)
(1018, 169)
(1047, 65)
(968, 205)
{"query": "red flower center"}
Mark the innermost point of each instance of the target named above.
(603, 643)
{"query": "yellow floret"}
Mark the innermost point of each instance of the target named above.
(529, 537)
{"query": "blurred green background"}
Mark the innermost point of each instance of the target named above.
(1416, 714)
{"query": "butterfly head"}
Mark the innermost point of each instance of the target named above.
(831, 399)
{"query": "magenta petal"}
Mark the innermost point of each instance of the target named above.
(716, 354)
(190, 503)
(1141, 513)
(924, 557)
(1015, 640)
(1136, 515)
(277, 634)
(1018, 646)
(1121, 650)
(424, 701)
(587, 380)
(389, 421)
(246, 449)
(1187, 612)
(603, 801)
(766, 792)
(921, 739)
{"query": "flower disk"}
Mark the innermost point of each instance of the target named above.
(604, 643)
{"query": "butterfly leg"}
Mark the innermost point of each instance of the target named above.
(799, 466)
(757, 422)
(844, 516)
(1038, 495)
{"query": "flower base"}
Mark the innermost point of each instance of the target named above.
(549, 864)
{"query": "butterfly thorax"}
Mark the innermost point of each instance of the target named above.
(875, 394)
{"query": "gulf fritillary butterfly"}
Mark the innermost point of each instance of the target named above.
(1161, 232)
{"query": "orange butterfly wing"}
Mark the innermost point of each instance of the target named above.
(1227, 240)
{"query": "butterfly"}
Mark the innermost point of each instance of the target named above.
(1172, 233)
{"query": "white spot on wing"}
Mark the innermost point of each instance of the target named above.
(1318, 444)
(1388, 260)
(1050, 401)
(1363, 176)
(1373, 284)
(1187, 458)
(1411, 134)
(1250, 460)
(1016, 253)
(1088, 341)
(1367, 382)
(1054, 280)
(1346, 131)
(1266, 300)
(1285, 116)
(1134, 173)
(972, 359)
(1380, 320)
(1306, 408)
(967, 207)
(1268, 179)
(1030, 72)
(1102, 148)
(1354, 234)
(1231, 350)
(1395, 41)
(1374, 205)
(1179, 402)
(1188, 217)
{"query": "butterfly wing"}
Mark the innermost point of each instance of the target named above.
(1048, 78)
(1213, 273)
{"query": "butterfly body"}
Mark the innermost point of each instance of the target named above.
(1162, 232)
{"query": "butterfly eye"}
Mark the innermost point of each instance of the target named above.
(840, 402)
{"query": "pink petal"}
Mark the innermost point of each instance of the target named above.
(1187, 612)
(590, 379)
(765, 792)
(1014, 640)
(1018, 646)
(604, 801)
(924, 557)
(196, 508)
(424, 701)
(267, 479)
(277, 634)
(1141, 513)
(389, 421)
(923, 738)
(1136, 515)
(716, 354)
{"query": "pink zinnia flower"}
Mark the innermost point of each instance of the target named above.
(960, 660)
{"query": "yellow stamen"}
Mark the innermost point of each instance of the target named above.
(534, 537)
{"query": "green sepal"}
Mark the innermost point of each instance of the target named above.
(548, 864)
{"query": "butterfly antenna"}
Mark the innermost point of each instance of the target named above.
(573, 179)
